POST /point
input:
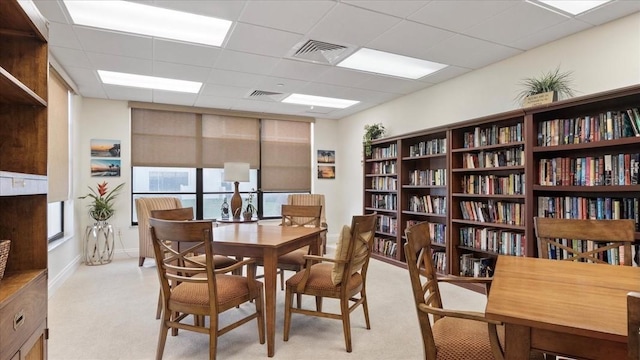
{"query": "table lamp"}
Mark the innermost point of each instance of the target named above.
(236, 172)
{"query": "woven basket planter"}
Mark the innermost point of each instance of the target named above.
(4, 255)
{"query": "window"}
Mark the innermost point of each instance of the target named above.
(55, 220)
(191, 167)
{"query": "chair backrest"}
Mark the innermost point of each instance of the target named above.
(417, 251)
(633, 319)
(301, 215)
(597, 241)
(173, 214)
(144, 206)
(355, 249)
(178, 266)
(309, 199)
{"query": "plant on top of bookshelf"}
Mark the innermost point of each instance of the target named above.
(552, 81)
(371, 132)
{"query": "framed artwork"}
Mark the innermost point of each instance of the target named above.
(326, 172)
(105, 167)
(105, 148)
(326, 156)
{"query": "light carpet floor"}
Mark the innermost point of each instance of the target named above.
(108, 312)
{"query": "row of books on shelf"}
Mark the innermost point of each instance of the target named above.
(437, 231)
(613, 256)
(429, 147)
(512, 184)
(491, 211)
(492, 135)
(578, 207)
(609, 169)
(428, 204)
(384, 183)
(429, 177)
(386, 247)
(383, 167)
(387, 224)
(500, 241)
(603, 126)
(476, 267)
(491, 159)
(439, 259)
(384, 201)
(384, 152)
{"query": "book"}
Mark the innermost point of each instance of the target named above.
(607, 170)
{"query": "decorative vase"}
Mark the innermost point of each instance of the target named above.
(99, 243)
(247, 215)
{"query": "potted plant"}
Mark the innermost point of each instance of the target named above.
(371, 132)
(101, 209)
(552, 81)
(250, 210)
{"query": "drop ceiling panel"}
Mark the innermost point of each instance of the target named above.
(185, 53)
(223, 91)
(174, 98)
(445, 74)
(392, 85)
(269, 83)
(233, 78)
(70, 57)
(180, 71)
(115, 92)
(351, 25)
(52, 10)
(215, 102)
(522, 19)
(610, 11)
(244, 62)
(345, 77)
(87, 81)
(261, 40)
(399, 8)
(543, 36)
(222, 9)
(299, 70)
(460, 14)
(422, 36)
(294, 16)
(108, 42)
(468, 52)
(63, 35)
(120, 63)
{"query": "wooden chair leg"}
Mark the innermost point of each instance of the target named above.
(162, 338)
(281, 279)
(141, 261)
(288, 302)
(260, 312)
(346, 323)
(159, 309)
(318, 303)
(365, 307)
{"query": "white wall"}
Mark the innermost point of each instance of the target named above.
(325, 139)
(603, 58)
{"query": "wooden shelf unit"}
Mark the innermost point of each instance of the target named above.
(513, 185)
(23, 170)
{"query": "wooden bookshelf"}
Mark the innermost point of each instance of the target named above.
(494, 166)
(23, 179)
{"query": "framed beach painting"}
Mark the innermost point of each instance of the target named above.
(105, 148)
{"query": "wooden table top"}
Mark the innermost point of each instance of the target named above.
(569, 297)
(260, 235)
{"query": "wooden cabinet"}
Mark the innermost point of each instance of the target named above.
(381, 195)
(584, 158)
(487, 193)
(23, 174)
(576, 158)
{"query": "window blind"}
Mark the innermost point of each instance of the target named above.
(57, 139)
(286, 155)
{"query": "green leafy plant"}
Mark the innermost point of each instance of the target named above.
(101, 208)
(550, 81)
(371, 132)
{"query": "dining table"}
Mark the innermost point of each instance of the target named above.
(267, 242)
(565, 308)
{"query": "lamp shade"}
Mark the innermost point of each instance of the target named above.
(236, 171)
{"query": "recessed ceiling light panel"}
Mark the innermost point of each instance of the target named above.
(312, 100)
(149, 82)
(390, 64)
(573, 7)
(149, 20)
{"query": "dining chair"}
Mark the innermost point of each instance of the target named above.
(343, 277)
(184, 214)
(312, 200)
(633, 319)
(201, 290)
(586, 240)
(144, 206)
(454, 334)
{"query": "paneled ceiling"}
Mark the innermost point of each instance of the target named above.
(254, 69)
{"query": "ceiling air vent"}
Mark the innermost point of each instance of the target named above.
(265, 95)
(320, 52)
